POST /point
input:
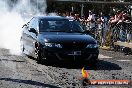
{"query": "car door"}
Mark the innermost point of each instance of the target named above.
(31, 36)
(24, 37)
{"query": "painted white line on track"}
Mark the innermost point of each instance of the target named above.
(123, 60)
(102, 56)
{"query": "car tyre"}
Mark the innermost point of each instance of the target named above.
(38, 56)
(92, 63)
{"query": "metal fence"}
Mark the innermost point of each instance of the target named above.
(115, 32)
(122, 32)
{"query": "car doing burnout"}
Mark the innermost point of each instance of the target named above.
(58, 38)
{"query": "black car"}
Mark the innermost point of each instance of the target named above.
(58, 38)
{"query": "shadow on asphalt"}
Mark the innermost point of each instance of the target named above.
(101, 65)
(30, 82)
(12, 60)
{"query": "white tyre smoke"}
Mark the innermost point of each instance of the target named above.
(12, 19)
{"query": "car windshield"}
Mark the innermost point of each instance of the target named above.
(63, 25)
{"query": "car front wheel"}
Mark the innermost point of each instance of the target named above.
(38, 56)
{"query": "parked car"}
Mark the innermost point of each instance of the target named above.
(58, 38)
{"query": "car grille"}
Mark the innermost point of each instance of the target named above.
(74, 46)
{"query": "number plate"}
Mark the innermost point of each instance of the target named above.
(75, 53)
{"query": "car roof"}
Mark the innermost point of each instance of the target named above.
(51, 17)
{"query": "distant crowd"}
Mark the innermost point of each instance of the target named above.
(99, 24)
(99, 21)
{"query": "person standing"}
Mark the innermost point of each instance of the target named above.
(91, 23)
(102, 28)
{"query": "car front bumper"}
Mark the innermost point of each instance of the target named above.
(70, 54)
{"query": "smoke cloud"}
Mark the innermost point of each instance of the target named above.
(13, 16)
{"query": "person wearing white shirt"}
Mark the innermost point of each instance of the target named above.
(91, 20)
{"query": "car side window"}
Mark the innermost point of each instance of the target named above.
(33, 23)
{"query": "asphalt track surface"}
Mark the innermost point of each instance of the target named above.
(24, 72)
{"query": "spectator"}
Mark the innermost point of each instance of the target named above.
(71, 15)
(91, 21)
(116, 18)
(83, 22)
(64, 14)
(67, 14)
(77, 18)
(102, 27)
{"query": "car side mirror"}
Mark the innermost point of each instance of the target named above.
(33, 31)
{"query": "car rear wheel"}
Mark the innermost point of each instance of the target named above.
(94, 62)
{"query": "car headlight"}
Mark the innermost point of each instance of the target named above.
(53, 45)
(92, 46)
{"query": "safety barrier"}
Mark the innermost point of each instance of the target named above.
(121, 37)
(118, 36)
